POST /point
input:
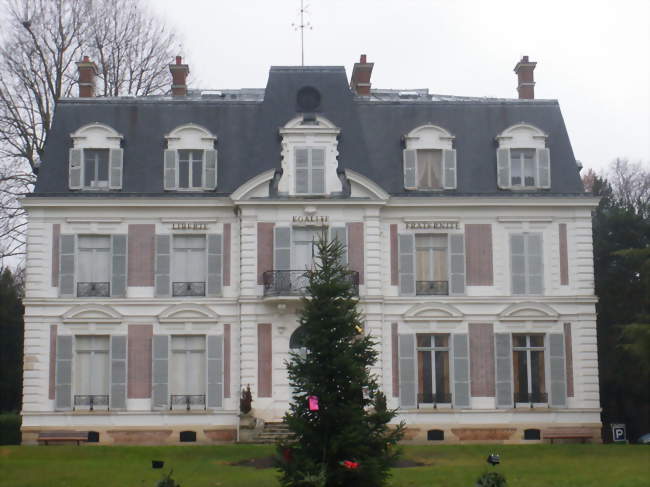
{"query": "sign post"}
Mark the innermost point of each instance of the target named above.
(618, 433)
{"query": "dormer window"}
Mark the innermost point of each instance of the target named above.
(429, 159)
(96, 158)
(523, 161)
(310, 170)
(190, 162)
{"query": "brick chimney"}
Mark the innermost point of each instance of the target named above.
(360, 79)
(179, 73)
(526, 79)
(87, 73)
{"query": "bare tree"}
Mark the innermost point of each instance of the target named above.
(40, 42)
(631, 185)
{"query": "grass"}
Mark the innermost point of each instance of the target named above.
(209, 466)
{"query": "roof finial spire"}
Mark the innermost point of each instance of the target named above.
(302, 26)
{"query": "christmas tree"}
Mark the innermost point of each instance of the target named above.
(338, 414)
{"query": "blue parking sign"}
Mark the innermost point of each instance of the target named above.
(618, 433)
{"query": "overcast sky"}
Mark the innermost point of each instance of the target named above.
(593, 55)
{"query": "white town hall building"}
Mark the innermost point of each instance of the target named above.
(168, 238)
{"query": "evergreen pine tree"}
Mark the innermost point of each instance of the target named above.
(347, 441)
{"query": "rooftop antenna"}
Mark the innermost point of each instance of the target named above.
(302, 26)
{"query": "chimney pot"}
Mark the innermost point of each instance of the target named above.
(525, 78)
(87, 73)
(363, 59)
(179, 60)
(360, 79)
(179, 72)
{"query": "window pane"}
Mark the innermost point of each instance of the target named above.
(318, 158)
(518, 340)
(425, 384)
(537, 382)
(197, 173)
(441, 340)
(429, 169)
(302, 157)
(442, 376)
(536, 340)
(520, 371)
(96, 168)
(424, 340)
(529, 171)
(89, 169)
(423, 265)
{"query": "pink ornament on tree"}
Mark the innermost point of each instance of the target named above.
(313, 403)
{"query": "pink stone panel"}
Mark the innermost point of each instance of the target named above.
(394, 271)
(51, 390)
(141, 248)
(264, 360)
(394, 358)
(226, 360)
(355, 248)
(139, 361)
(564, 257)
(481, 352)
(264, 250)
(226, 254)
(478, 251)
(56, 234)
(568, 352)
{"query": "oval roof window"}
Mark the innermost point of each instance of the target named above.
(308, 99)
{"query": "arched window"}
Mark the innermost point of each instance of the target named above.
(297, 342)
(95, 161)
(190, 159)
(429, 159)
(523, 161)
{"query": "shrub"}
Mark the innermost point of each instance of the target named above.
(491, 479)
(10, 429)
(246, 400)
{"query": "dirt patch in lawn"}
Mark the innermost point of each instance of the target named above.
(269, 462)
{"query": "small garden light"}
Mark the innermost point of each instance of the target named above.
(493, 459)
(157, 464)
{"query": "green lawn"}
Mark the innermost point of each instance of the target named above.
(209, 466)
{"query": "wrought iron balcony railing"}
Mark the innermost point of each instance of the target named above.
(434, 398)
(187, 401)
(294, 283)
(93, 289)
(431, 288)
(91, 401)
(531, 398)
(188, 288)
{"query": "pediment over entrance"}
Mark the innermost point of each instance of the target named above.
(529, 311)
(185, 313)
(92, 313)
(433, 312)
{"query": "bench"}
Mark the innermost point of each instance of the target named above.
(582, 434)
(60, 437)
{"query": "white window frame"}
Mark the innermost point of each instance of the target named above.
(192, 137)
(522, 167)
(431, 259)
(310, 169)
(92, 352)
(190, 170)
(528, 348)
(188, 372)
(174, 257)
(96, 136)
(431, 138)
(432, 350)
(77, 264)
(523, 136)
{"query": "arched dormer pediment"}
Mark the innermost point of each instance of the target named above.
(529, 311)
(191, 134)
(92, 134)
(433, 312)
(522, 135)
(92, 313)
(429, 159)
(315, 124)
(188, 313)
(429, 136)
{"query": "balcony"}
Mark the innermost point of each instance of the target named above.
(431, 288)
(294, 283)
(429, 399)
(188, 289)
(93, 289)
(186, 401)
(530, 398)
(90, 402)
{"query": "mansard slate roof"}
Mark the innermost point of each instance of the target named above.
(246, 124)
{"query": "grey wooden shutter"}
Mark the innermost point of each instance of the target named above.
(215, 371)
(170, 169)
(118, 372)
(407, 369)
(534, 264)
(449, 159)
(410, 158)
(503, 370)
(282, 246)
(518, 264)
(116, 169)
(503, 168)
(160, 372)
(461, 396)
(210, 181)
(406, 244)
(215, 264)
(163, 265)
(544, 168)
(456, 264)
(341, 234)
(118, 274)
(74, 171)
(557, 370)
(302, 170)
(318, 171)
(63, 376)
(66, 265)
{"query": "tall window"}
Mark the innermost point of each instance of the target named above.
(187, 372)
(528, 369)
(431, 264)
(304, 248)
(94, 258)
(189, 265)
(190, 168)
(95, 168)
(527, 263)
(433, 369)
(91, 372)
(429, 169)
(310, 171)
(523, 168)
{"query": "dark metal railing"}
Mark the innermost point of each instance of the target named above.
(91, 401)
(188, 288)
(187, 400)
(531, 398)
(294, 283)
(93, 289)
(434, 398)
(431, 288)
